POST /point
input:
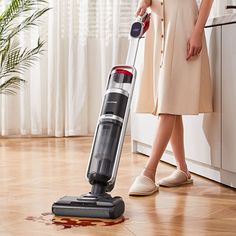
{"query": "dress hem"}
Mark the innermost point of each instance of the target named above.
(173, 113)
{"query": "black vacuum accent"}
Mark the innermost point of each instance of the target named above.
(108, 141)
(115, 103)
(136, 29)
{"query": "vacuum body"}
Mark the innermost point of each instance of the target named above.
(111, 127)
(108, 140)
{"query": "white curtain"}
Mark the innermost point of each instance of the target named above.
(63, 95)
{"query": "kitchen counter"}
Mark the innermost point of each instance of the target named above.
(221, 20)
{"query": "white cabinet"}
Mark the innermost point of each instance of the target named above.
(143, 129)
(229, 97)
(210, 139)
(203, 132)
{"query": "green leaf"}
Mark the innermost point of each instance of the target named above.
(10, 86)
(18, 61)
(19, 16)
(3, 52)
(28, 22)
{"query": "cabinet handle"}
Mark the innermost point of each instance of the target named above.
(230, 7)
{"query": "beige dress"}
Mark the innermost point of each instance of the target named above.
(169, 83)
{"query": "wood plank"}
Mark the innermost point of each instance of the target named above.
(35, 172)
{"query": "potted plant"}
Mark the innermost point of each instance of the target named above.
(20, 15)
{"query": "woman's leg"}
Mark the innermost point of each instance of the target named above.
(165, 127)
(177, 144)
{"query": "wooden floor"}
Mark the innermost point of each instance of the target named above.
(36, 172)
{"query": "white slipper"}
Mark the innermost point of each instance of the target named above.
(143, 186)
(177, 178)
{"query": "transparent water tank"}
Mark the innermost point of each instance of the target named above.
(108, 133)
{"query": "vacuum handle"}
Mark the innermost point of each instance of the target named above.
(140, 26)
(146, 22)
(138, 29)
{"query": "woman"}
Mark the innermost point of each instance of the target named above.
(175, 82)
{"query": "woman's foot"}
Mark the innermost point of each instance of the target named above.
(143, 186)
(186, 172)
(183, 167)
(177, 178)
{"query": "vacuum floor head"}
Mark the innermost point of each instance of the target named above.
(90, 206)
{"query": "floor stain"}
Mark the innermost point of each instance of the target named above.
(71, 222)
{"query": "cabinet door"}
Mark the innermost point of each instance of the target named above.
(143, 128)
(229, 97)
(203, 132)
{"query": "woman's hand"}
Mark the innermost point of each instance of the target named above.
(194, 45)
(142, 7)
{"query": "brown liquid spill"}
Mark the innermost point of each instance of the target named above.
(71, 222)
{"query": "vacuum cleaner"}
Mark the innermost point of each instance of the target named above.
(108, 140)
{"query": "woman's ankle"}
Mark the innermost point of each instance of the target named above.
(185, 170)
(150, 173)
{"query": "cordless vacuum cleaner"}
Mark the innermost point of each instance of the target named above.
(108, 140)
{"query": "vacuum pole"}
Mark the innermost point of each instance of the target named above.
(132, 52)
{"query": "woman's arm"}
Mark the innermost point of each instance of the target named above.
(142, 7)
(194, 45)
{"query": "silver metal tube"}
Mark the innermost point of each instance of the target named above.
(132, 52)
(121, 91)
(109, 116)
